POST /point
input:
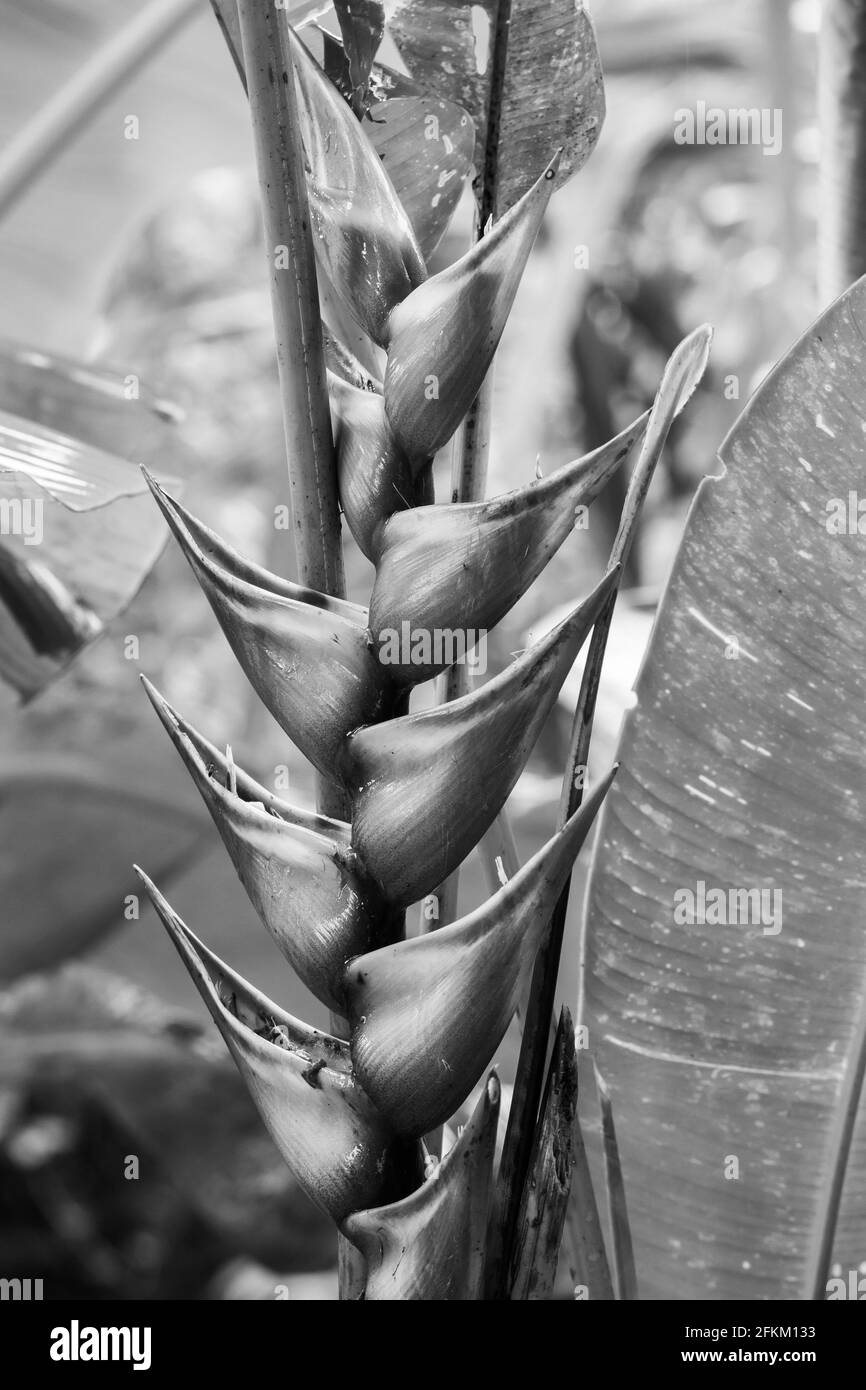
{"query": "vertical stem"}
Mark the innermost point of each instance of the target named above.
(294, 296)
(471, 456)
(842, 108)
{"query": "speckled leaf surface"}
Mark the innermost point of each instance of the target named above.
(552, 95)
(426, 146)
(743, 766)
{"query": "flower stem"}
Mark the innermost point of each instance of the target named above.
(294, 297)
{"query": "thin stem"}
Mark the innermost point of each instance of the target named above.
(842, 112)
(472, 452)
(294, 297)
(61, 120)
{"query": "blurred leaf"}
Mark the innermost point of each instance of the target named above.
(538, 69)
(743, 768)
(74, 550)
(164, 1075)
(58, 596)
(106, 408)
(70, 471)
(51, 810)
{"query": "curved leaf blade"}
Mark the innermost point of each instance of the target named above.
(743, 769)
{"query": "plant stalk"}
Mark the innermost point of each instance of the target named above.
(842, 112)
(294, 297)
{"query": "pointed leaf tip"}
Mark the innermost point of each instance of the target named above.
(430, 1246)
(461, 567)
(444, 335)
(427, 1011)
(289, 641)
(430, 784)
(326, 1130)
(296, 866)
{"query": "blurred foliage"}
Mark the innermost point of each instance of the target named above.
(161, 251)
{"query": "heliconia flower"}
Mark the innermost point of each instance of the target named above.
(204, 547)
(428, 1012)
(297, 867)
(374, 476)
(430, 784)
(311, 663)
(345, 366)
(301, 1081)
(443, 336)
(464, 565)
(431, 1244)
(363, 235)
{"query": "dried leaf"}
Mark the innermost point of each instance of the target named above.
(545, 1194)
(362, 24)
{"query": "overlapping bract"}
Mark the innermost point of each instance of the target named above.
(426, 1011)
(425, 1015)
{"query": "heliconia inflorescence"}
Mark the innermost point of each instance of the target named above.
(421, 1018)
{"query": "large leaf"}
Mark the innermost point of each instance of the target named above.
(541, 74)
(106, 408)
(77, 532)
(744, 767)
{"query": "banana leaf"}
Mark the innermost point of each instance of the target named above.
(734, 1049)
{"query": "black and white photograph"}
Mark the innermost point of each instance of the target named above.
(432, 671)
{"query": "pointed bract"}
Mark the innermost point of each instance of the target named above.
(363, 235)
(430, 784)
(426, 1013)
(301, 1081)
(465, 565)
(430, 1246)
(444, 335)
(313, 667)
(304, 882)
(374, 476)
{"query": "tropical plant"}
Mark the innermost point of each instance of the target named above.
(405, 796)
(737, 1070)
